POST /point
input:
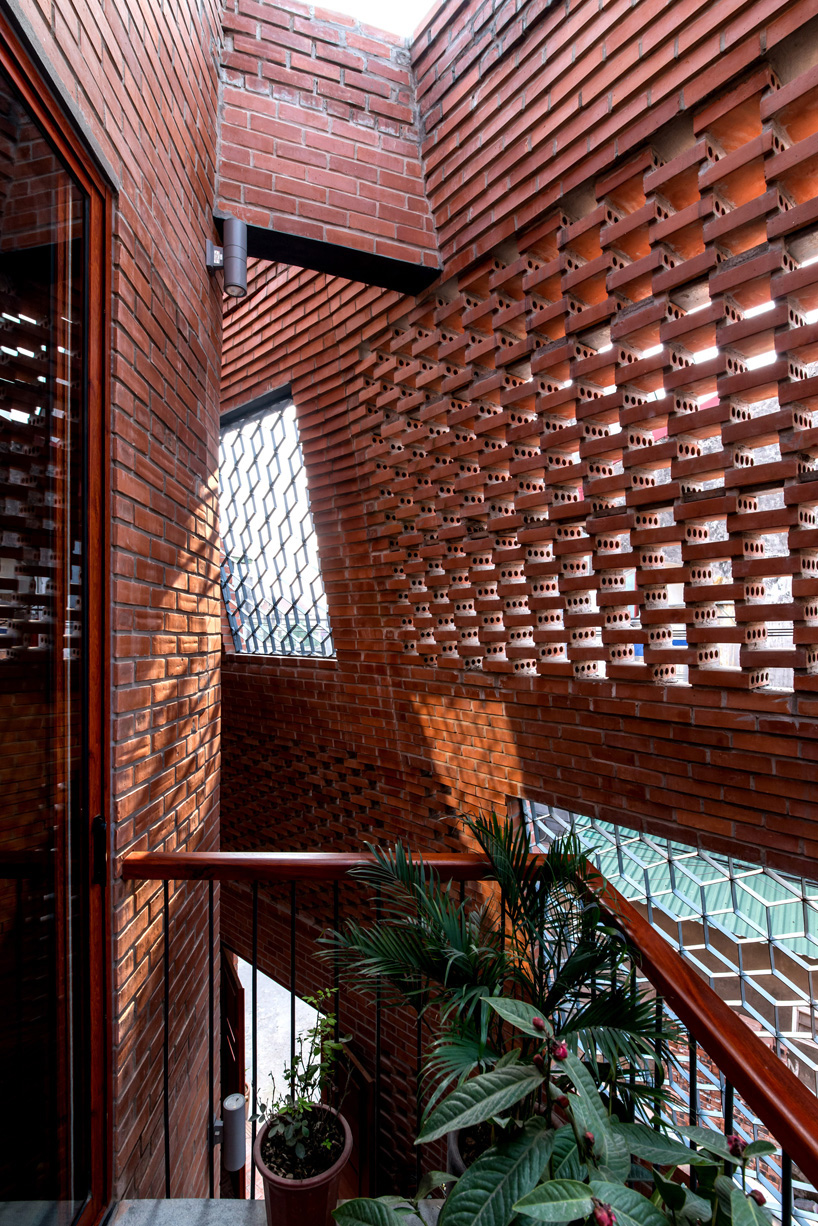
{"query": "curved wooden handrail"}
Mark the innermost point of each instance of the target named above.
(768, 1086)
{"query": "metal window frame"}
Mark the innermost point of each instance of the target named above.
(277, 399)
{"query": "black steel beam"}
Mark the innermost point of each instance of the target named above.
(337, 261)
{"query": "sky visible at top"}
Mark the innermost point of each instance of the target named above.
(399, 17)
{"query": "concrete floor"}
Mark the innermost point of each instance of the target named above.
(37, 1212)
(189, 1213)
(221, 1213)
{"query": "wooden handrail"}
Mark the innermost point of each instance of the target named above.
(279, 865)
(768, 1086)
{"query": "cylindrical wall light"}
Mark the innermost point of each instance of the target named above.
(235, 257)
(234, 1135)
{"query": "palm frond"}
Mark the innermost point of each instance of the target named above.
(453, 1059)
(547, 943)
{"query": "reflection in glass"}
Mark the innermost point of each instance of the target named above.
(43, 827)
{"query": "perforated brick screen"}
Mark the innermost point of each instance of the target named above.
(595, 451)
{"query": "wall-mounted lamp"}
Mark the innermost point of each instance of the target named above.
(230, 1132)
(232, 257)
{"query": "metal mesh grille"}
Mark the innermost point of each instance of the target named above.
(271, 577)
(753, 935)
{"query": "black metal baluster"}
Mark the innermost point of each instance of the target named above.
(254, 1039)
(418, 1109)
(658, 1071)
(292, 987)
(210, 1070)
(786, 1190)
(693, 1096)
(728, 1121)
(166, 1040)
(632, 1067)
(336, 960)
(377, 1172)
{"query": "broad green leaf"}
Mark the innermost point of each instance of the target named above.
(565, 1160)
(696, 1208)
(760, 1149)
(745, 1211)
(559, 1200)
(712, 1141)
(520, 1015)
(673, 1194)
(631, 1207)
(586, 1102)
(589, 1113)
(681, 1201)
(724, 1188)
(486, 1193)
(433, 1180)
(510, 1057)
(363, 1212)
(479, 1099)
(652, 1146)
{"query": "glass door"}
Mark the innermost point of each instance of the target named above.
(47, 910)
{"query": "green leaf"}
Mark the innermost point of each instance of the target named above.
(696, 1208)
(433, 1180)
(652, 1146)
(479, 1099)
(520, 1014)
(680, 1200)
(587, 1101)
(760, 1149)
(745, 1211)
(559, 1200)
(486, 1193)
(724, 1188)
(512, 1056)
(631, 1207)
(363, 1212)
(673, 1194)
(565, 1160)
(712, 1141)
(589, 1113)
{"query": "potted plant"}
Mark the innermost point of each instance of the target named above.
(546, 944)
(304, 1142)
(591, 1168)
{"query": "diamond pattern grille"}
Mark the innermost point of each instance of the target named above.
(271, 578)
(750, 932)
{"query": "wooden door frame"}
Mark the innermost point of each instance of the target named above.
(45, 108)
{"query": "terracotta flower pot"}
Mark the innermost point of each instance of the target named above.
(299, 1202)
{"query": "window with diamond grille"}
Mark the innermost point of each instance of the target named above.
(271, 575)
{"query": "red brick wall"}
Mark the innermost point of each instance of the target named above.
(411, 412)
(318, 134)
(145, 79)
(497, 477)
(522, 103)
